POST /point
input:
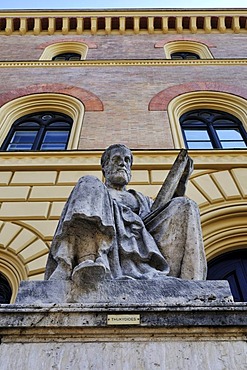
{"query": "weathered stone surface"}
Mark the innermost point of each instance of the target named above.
(70, 336)
(72, 315)
(133, 353)
(106, 229)
(125, 293)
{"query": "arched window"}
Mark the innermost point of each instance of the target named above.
(42, 103)
(231, 266)
(185, 49)
(203, 100)
(68, 49)
(39, 131)
(212, 129)
(184, 55)
(67, 56)
(5, 290)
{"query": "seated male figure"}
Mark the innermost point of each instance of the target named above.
(108, 231)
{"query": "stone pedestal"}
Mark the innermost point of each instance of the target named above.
(175, 337)
(166, 324)
(158, 292)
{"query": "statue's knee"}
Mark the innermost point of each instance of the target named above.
(89, 179)
(184, 202)
(90, 182)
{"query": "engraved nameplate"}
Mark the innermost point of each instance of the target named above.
(123, 319)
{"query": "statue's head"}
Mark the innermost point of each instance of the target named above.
(116, 162)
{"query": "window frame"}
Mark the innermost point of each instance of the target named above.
(198, 48)
(41, 129)
(6, 289)
(183, 55)
(33, 103)
(210, 125)
(66, 57)
(64, 47)
(203, 99)
(231, 266)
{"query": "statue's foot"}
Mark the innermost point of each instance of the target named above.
(89, 271)
(62, 272)
(125, 277)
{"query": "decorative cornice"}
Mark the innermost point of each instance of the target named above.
(143, 159)
(139, 21)
(122, 63)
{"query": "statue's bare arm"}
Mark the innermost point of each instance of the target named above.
(176, 180)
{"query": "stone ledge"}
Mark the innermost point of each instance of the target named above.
(62, 317)
(159, 292)
(161, 302)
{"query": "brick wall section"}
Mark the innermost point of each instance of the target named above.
(90, 44)
(162, 99)
(172, 38)
(125, 93)
(121, 47)
(117, 98)
(90, 101)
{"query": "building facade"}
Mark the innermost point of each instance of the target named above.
(75, 82)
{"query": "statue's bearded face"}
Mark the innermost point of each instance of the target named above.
(118, 168)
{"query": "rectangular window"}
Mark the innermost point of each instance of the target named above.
(198, 139)
(208, 129)
(55, 140)
(230, 138)
(22, 140)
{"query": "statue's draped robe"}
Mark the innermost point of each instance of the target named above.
(129, 243)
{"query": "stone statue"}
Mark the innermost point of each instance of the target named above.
(107, 231)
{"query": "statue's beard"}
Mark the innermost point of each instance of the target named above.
(119, 177)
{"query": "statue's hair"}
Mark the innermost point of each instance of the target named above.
(107, 153)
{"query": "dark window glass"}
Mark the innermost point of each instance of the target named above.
(22, 140)
(55, 140)
(39, 131)
(67, 56)
(5, 290)
(211, 129)
(231, 266)
(184, 55)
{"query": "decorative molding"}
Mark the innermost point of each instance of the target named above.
(191, 46)
(13, 269)
(224, 228)
(120, 22)
(21, 254)
(161, 100)
(143, 159)
(175, 38)
(90, 44)
(64, 47)
(123, 63)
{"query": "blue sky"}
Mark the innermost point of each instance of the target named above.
(114, 4)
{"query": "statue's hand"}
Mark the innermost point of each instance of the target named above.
(181, 188)
(189, 167)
